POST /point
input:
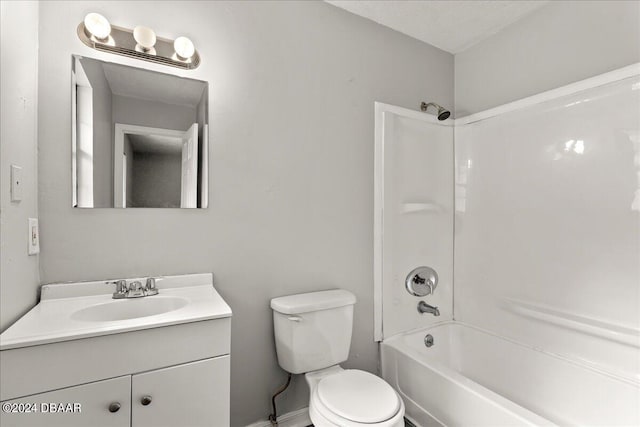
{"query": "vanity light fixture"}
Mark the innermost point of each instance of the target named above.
(145, 38)
(184, 48)
(98, 26)
(140, 43)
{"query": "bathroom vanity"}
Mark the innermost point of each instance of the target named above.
(82, 358)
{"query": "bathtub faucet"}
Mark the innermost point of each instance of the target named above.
(423, 307)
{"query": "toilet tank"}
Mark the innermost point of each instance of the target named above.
(313, 330)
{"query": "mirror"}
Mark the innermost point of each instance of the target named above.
(139, 138)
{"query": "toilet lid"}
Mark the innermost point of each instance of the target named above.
(358, 396)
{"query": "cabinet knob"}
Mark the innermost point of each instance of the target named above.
(114, 407)
(145, 400)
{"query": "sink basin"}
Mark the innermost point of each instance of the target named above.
(77, 310)
(129, 308)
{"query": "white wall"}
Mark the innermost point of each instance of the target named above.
(560, 43)
(292, 87)
(102, 134)
(18, 136)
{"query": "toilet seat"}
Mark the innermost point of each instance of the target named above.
(354, 398)
(358, 396)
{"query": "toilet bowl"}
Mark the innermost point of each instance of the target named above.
(313, 336)
(352, 398)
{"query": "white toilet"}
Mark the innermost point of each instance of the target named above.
(313, 336)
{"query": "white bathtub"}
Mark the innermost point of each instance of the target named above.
(472, 377)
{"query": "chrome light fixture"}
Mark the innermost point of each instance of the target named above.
(184, 48)
(145, 38)
(98, 26)
(140, 43)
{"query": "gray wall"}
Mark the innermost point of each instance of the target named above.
(292, 87)
(561, 43)
(134, 111)
(18, 145)
(201, 118)
(128, 151)
(156, 180)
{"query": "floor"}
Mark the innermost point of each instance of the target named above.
(407, 423)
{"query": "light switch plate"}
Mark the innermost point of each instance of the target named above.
(34, 236)
(16, 183)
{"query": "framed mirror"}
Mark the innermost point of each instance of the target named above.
(139, 137)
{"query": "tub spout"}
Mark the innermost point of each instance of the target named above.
(423, 307)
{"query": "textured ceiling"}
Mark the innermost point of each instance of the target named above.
(449, 25)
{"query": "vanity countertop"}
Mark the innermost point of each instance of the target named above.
(59, 315)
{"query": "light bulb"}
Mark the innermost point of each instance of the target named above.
(184, 48)
(97, 25)
(144, 36)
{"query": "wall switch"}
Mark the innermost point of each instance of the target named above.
(34, 236)
(16, 183)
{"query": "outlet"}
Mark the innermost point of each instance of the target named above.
(16, 183)
(34, 236)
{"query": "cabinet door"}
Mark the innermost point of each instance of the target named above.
(80, 406)
(190, 395)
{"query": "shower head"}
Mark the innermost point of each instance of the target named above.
(443, 113)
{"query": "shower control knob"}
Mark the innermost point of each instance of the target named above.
(421, 281)
(146, 400)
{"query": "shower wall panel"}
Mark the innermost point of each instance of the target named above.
(414, 208)
(547, 231)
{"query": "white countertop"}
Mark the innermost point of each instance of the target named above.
(51, 320)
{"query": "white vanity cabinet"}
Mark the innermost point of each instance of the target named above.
(171, 369)
(193, 394)
(103, 403)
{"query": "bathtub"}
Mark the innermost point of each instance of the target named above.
(472, 377)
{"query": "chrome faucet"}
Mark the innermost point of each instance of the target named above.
(121, 288)
(423, 307)
(134, 289)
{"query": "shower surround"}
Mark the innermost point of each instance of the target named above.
(546, 259)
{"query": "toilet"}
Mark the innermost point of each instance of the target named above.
(313, 336)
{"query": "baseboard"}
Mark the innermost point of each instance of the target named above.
(299, 418)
